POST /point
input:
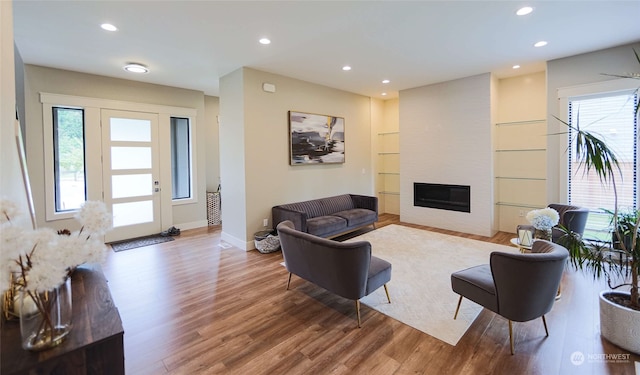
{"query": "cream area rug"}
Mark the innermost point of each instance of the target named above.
(420, 286)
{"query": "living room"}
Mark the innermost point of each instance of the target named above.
(446, 135)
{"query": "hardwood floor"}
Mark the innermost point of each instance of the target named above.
(191, 306)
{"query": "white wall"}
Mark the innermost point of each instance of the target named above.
(572, 71)
(11, 180)
(446, 138)
(232, 159)
(212, 136)
(259, 152)
(56, 81)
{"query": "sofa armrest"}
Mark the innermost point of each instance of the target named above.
(298, 218)
(365, 201)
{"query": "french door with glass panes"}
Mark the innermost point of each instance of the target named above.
(131, 173)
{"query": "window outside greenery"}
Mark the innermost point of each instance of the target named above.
(611, 117)
(69, 158)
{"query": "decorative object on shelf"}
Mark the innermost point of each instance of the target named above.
(9, 297)
(315, 139)
(543, 220)
(42, 261)
(525, 235)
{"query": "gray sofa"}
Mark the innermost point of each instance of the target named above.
(345, 268)
(329, 217)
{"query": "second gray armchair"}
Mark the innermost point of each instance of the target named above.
(519, 287)
(573, 218)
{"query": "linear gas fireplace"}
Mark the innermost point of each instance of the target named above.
(444, 197)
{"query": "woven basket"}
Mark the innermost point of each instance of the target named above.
(266, 242)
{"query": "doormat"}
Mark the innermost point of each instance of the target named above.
(139, 242)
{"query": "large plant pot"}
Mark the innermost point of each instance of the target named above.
(618, 324)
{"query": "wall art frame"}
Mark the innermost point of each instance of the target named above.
(316, 139)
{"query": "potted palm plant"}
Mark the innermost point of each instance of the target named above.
(617, 261)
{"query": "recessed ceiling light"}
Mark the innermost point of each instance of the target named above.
(265, 41)
(516, 67)
(136, 68)
(524, 11)
(385, 81)
(346, 67)
(541, 43)
(108, 27)
(384, 94)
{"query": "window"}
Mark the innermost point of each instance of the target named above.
(69, 158)
(612, 117)
(180, 158)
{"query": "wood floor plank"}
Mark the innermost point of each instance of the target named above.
(190, 306)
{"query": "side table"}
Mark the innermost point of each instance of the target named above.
(94, 345)
(523, 248)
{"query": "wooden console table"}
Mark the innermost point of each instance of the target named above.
(94, 345)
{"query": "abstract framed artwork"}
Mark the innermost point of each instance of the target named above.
(315, 139)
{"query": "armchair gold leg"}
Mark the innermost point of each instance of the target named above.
(544, 321)
(511, 337)
(289, 281)
(358, 311)
(387, 291)
(457, 308)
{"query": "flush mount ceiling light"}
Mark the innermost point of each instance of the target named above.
(516, 67)
(265, 41)
(384, 94)
(136, 68)
(385, 81)
(524, 11)
(108, 27)
(541, 43)
(346, 68)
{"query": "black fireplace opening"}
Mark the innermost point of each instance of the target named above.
(444, 197)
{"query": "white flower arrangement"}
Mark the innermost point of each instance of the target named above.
(41, 259)
(543, 219)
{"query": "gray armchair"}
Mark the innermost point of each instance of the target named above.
(346, 269)
(573, 218)
(519, 287)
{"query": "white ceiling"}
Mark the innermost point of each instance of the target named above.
(191, 44)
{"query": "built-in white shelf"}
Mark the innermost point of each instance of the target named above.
(522, 150)
(525, 122)
(521, 178)
(389, 192)
(523, 205)
(388, 180)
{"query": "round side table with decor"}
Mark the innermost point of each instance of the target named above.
(523, 248)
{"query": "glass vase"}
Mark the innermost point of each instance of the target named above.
(45, 318)
(542, 234)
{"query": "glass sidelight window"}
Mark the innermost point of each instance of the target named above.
(181, 158)
(69, 158)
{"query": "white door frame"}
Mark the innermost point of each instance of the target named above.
(93, 107)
